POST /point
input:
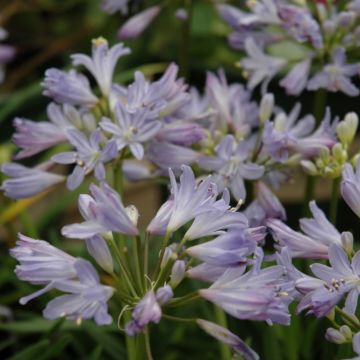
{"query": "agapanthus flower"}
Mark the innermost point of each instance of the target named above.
(131, 129)
(336, 76)
(25, 182)
(135, 26)
(88, 156)
(148, 310)
(103, 212)
(356, 346)
(231, 102)
(36, 136)
(339, 279)
(227, 337)
(102, 63)
(231, 166)
(319, 235)
(307, 33)
(40, 262)
(68, 88)
(189, 199)
(86, 297)
(286, 135)
(260, 66)
(255, 295)
(350, 186)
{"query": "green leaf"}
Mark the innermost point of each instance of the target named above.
(111, 344)
(32, 352)
(96, 354)
(57, 348)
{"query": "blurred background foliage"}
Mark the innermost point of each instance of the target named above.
(45, 33)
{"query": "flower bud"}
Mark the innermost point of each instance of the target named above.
(346, 129)
(164, 294)
(334, 336)
(338, 153)
(309, 167)
(177, 273)
(279, 122)
(169, 252)
(266, 107)
(346, 331)
(133, 214)
(347, 241)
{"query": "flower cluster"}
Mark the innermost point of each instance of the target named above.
(311, 44)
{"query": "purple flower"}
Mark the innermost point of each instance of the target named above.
(296, 79)
(256, 295)
(89, 156)
(231, 167)
(286, 134)
(356, 344)
(227, 337)
(336, 76)
(99, 250)
(146, 311)
(112, 6)
(131, 129)
(166, 155)
(69, 88)
(301, 25)
(339, 279)
(103, 212)
(261, 67)
(40, 262)
(135, 26)
(162, 97)
(7, 53)
(229, 249)
(34, 137)
(159, 223)
(164, 294)
(102, 63)
(183, 133)
(26, 182)
(350, 187)
(87, 298)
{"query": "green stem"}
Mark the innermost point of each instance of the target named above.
(222, 320)
(146, 253)
(176, 318)
(130, 340)
(138, 262)
(166, 239)
(319, 105)
(349, 319)
(335, 190)
(184, 299)
(309, 194)
(147, 344)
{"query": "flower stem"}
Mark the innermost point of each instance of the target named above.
(348, 318)
(184, 299)
(163, 247)
(334, 199)
(147, 344)
(130, 341)
(309, 194)
(222, 320)
(176, 318)
(138, 262)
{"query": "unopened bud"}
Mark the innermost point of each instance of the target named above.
(168, 253)
(335, 336)
(346, 331)
(309, 167)
(347, 241)
(339, 153)
(266, 107)
(133, 214)
(164, 294)
(177, 273)
(279, 122)
(346, 129)
(324, 154)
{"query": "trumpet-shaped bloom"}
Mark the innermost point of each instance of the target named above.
(102, 63)
(227, 337)
(86, 298)
(336, 75)
(40, 262)
(103, 212)
(231, 167)
(350, 187)
(337, 280)
(131, 129)
(89, 156)
(69, 88)
(25, 182)
(255, 295)
(135, 26)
